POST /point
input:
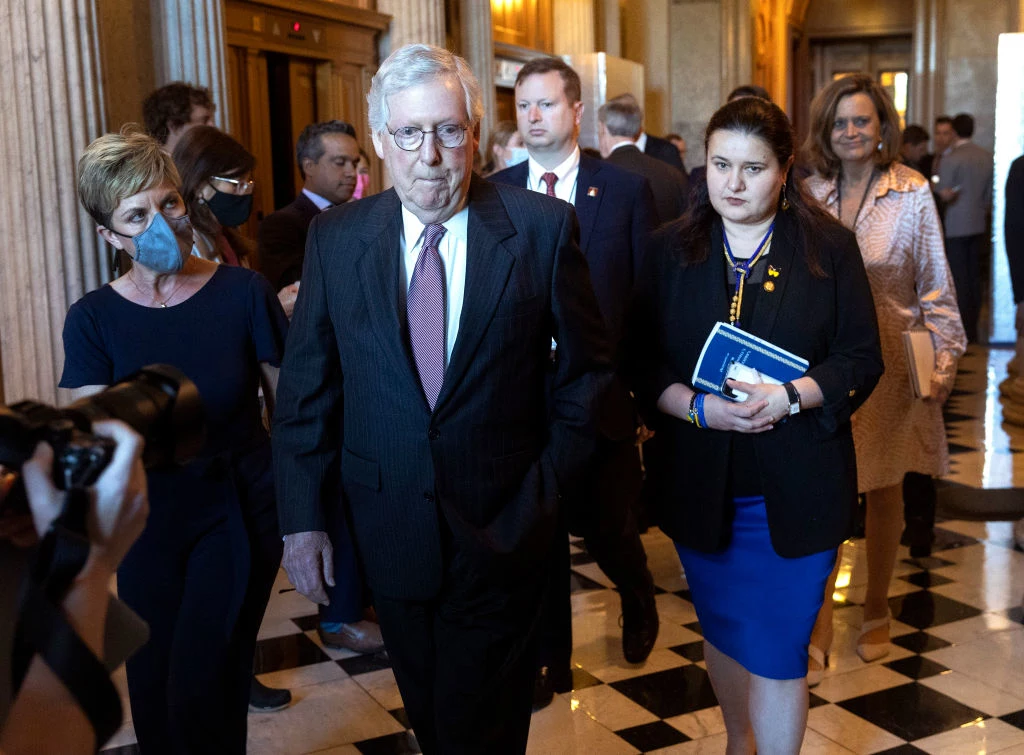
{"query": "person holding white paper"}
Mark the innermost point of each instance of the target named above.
(761, 492)
(853, 144)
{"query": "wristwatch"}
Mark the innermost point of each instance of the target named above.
(794, 398)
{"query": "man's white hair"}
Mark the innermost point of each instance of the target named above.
(417, 64)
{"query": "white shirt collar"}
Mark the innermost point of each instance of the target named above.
(641, 141)
(562, 170)
(321, 203)
(457, 226)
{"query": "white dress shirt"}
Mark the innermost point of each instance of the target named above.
(567, 172)
(452, 249)
(641, 141)
(321, 203)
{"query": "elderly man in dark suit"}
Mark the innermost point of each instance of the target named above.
(650, 145)
(328, 158)
(616, 212)
(418, 388)
(618, 124)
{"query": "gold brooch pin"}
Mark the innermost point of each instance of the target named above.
(769, 286)
(773, 272)
(592, 191)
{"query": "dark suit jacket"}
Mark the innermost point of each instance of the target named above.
(616, 214)
(492, 455)
(1014, 226)
(282, 241)
(807, 465)
(671, 187)
(664, 150)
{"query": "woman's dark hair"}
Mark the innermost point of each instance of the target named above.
(202, 153)
(755, 117)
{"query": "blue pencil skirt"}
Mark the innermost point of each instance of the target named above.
(754, 605)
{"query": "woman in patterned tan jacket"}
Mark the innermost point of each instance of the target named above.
(853, 144)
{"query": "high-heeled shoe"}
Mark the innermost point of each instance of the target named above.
(872, 651)
(820, 657)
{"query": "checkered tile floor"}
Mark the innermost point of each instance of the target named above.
(954, 682)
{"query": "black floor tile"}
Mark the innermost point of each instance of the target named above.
(672, 692)
(579, 559)
(956, 417)
(957, 448)
(813, 701)
(399, 715)
(1016, 614)
(290, 651)
(927, 609)
(916, 667)
(364, 664)
(581, 678)
(926, 579)
(307, 623)
(579, 583)
(911, 711)
(693, 651)
(402, 743)
(920, 642)
(653, 736)
(695, 627)
(1014, 719)
(684, 594)
(907, 749)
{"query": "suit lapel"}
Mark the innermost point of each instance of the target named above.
(378, 274)
(488, 265)
(781, 259)
(588, 177)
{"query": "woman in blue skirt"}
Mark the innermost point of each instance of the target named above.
(759, 493)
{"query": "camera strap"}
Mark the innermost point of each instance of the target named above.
(43, 630)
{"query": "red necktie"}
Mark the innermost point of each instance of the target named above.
(549, 179)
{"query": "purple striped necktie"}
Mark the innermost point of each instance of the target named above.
(426, 313)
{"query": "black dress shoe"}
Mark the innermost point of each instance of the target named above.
(543, 689)
(639, 626)
(264, 699)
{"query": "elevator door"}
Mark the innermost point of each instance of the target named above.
(885, 59)
(291, 93)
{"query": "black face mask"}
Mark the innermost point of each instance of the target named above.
(230, 209)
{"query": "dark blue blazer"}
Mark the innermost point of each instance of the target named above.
(492, 455)
(616, 212)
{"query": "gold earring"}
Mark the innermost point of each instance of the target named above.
(785, 199)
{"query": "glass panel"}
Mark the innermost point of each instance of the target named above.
(896, 83)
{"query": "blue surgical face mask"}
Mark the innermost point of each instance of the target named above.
(158, 248)
(517, 155)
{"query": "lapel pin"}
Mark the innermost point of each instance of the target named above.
(769, 286)
(592, 191)
(773, 272)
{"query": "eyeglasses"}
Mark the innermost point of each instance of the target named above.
(241, 187)
(410, 138)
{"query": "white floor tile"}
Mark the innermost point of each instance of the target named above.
(989, 736)
(856, 734)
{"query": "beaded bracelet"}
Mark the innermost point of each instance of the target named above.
(693, 415)
(700, 410)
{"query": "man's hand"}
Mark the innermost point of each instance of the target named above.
(938, 394)
(309, 562)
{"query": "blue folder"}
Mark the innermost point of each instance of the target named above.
(731, 352)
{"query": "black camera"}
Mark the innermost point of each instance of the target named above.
(159, 402)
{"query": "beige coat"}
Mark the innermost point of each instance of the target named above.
(900, 239)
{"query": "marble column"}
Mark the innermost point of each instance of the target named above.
(51, 255)
(189, 45)
(478, 49)
(573, 27)
(413, 21)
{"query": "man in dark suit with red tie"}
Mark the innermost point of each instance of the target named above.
(616, 212)
(417, 389)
